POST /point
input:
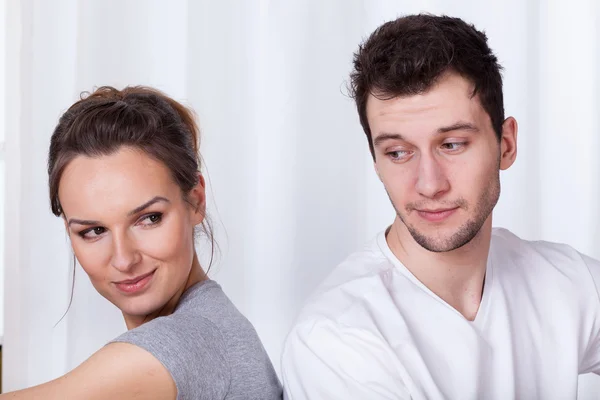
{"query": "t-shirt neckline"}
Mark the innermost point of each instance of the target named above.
(480, 317)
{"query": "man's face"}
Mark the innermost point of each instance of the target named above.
(439, 159)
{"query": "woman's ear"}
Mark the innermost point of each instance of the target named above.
(67, 229)
(197, 198)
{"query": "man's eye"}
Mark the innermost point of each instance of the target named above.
(397, 154)
(453, 146)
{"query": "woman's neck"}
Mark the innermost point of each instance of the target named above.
(196, 275)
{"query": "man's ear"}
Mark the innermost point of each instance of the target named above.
(508, 143)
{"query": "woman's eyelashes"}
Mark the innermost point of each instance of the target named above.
(151, 219)
(92, 233)
(145, 221)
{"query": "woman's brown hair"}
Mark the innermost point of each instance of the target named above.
(140, 117)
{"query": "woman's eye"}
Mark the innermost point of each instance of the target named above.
(151, 219)
(92, 233)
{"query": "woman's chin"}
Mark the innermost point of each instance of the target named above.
(138, 307)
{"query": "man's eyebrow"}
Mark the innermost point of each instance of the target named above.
(136, 210)
(386, 136)
(459, 126)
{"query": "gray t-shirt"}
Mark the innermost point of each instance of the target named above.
(211, 350)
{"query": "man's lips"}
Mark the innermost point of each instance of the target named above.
(436, 215)
(437, 210)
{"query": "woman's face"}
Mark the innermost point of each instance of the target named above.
(131, 228)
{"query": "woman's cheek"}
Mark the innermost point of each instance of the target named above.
(162, 242)
(94, 258)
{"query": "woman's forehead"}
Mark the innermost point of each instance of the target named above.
(113, 183)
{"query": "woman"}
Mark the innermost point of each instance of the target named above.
(124, 176)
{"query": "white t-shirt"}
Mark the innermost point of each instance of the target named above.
(373, 331)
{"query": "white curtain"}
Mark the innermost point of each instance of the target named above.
(291, 182)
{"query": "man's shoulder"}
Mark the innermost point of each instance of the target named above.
(505, 242)
(544, 259)
(361, 272)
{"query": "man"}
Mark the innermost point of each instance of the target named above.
(440, 305)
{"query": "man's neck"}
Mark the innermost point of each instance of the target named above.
(456, 276)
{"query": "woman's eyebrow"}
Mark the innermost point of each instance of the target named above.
(136, 210)
(82, 222)
(147, 204)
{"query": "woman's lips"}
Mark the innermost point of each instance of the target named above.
(135, 285)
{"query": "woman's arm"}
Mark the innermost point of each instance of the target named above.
(117, 371)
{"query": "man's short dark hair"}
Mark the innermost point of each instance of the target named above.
(406, 56)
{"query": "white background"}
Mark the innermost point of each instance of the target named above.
(287, 162)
